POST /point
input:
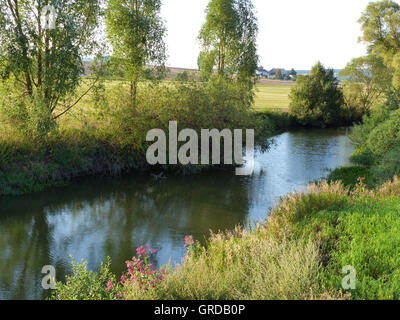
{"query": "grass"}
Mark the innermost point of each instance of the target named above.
(270, 96)
(349, 175)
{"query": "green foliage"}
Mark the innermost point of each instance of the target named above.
(360, 133)
(240, 266)
(366, 236)
(30, 114)
(136, 33)
(349, 175)
(107, 141)
(377, 143)
(385, 136)
(388, 165)
(317, 99)
(183, 76)
(380, 24)
(47, 63)
(83, 284)
(366, 81)
(228, 40)
(292, 75)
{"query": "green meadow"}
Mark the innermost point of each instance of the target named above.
(272, 96)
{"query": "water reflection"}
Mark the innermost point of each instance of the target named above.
(95, 218)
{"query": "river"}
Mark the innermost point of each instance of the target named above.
(93, 218)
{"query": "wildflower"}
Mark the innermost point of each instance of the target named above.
(189, 241)
(109, 285)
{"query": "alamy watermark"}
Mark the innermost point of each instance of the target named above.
(49, 280)
(188, 153)
(349, 281)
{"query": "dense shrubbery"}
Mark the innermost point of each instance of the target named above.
(377, 143)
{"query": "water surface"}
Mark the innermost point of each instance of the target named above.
(99, 217)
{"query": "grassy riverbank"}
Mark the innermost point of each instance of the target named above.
(299, 253)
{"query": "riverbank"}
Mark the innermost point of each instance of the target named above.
(310, 243)
(105, 136)
(28, 166)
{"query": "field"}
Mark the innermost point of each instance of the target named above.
(273, 95)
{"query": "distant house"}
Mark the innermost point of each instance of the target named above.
(273, 72)
(260, 72)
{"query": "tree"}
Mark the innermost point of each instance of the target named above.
(317, 99)
(381, 32)
(278, 75)
(293, 74)
(136, 33)
(366, 81)
(228, 39)
(46, 62)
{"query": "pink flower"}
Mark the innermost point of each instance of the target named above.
(153, 251)
(189, 241)
(109, 285)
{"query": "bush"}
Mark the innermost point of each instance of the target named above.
(317, 99)
(377, 143)
(388, 166)
(349, 175)
(86, 285)
(30, 115)
(385, 136)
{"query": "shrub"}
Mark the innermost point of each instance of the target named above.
(386, 135)
(317, 99)
(349, 175)
(388, 165)
(87, 285)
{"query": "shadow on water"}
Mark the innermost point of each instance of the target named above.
(99, 217)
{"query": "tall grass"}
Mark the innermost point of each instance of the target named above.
(244, 266)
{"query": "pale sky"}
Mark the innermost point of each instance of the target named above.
(292, 33)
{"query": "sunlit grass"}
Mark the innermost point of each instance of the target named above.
(272, 97)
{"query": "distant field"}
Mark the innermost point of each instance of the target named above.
(272, 96)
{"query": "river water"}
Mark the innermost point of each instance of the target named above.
(98, 217)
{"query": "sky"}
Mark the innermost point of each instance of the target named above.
(292, 33)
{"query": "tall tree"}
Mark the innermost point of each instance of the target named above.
(381, 31)
(136, 32)
(366, 80)
(47, 61)
(228, 39)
